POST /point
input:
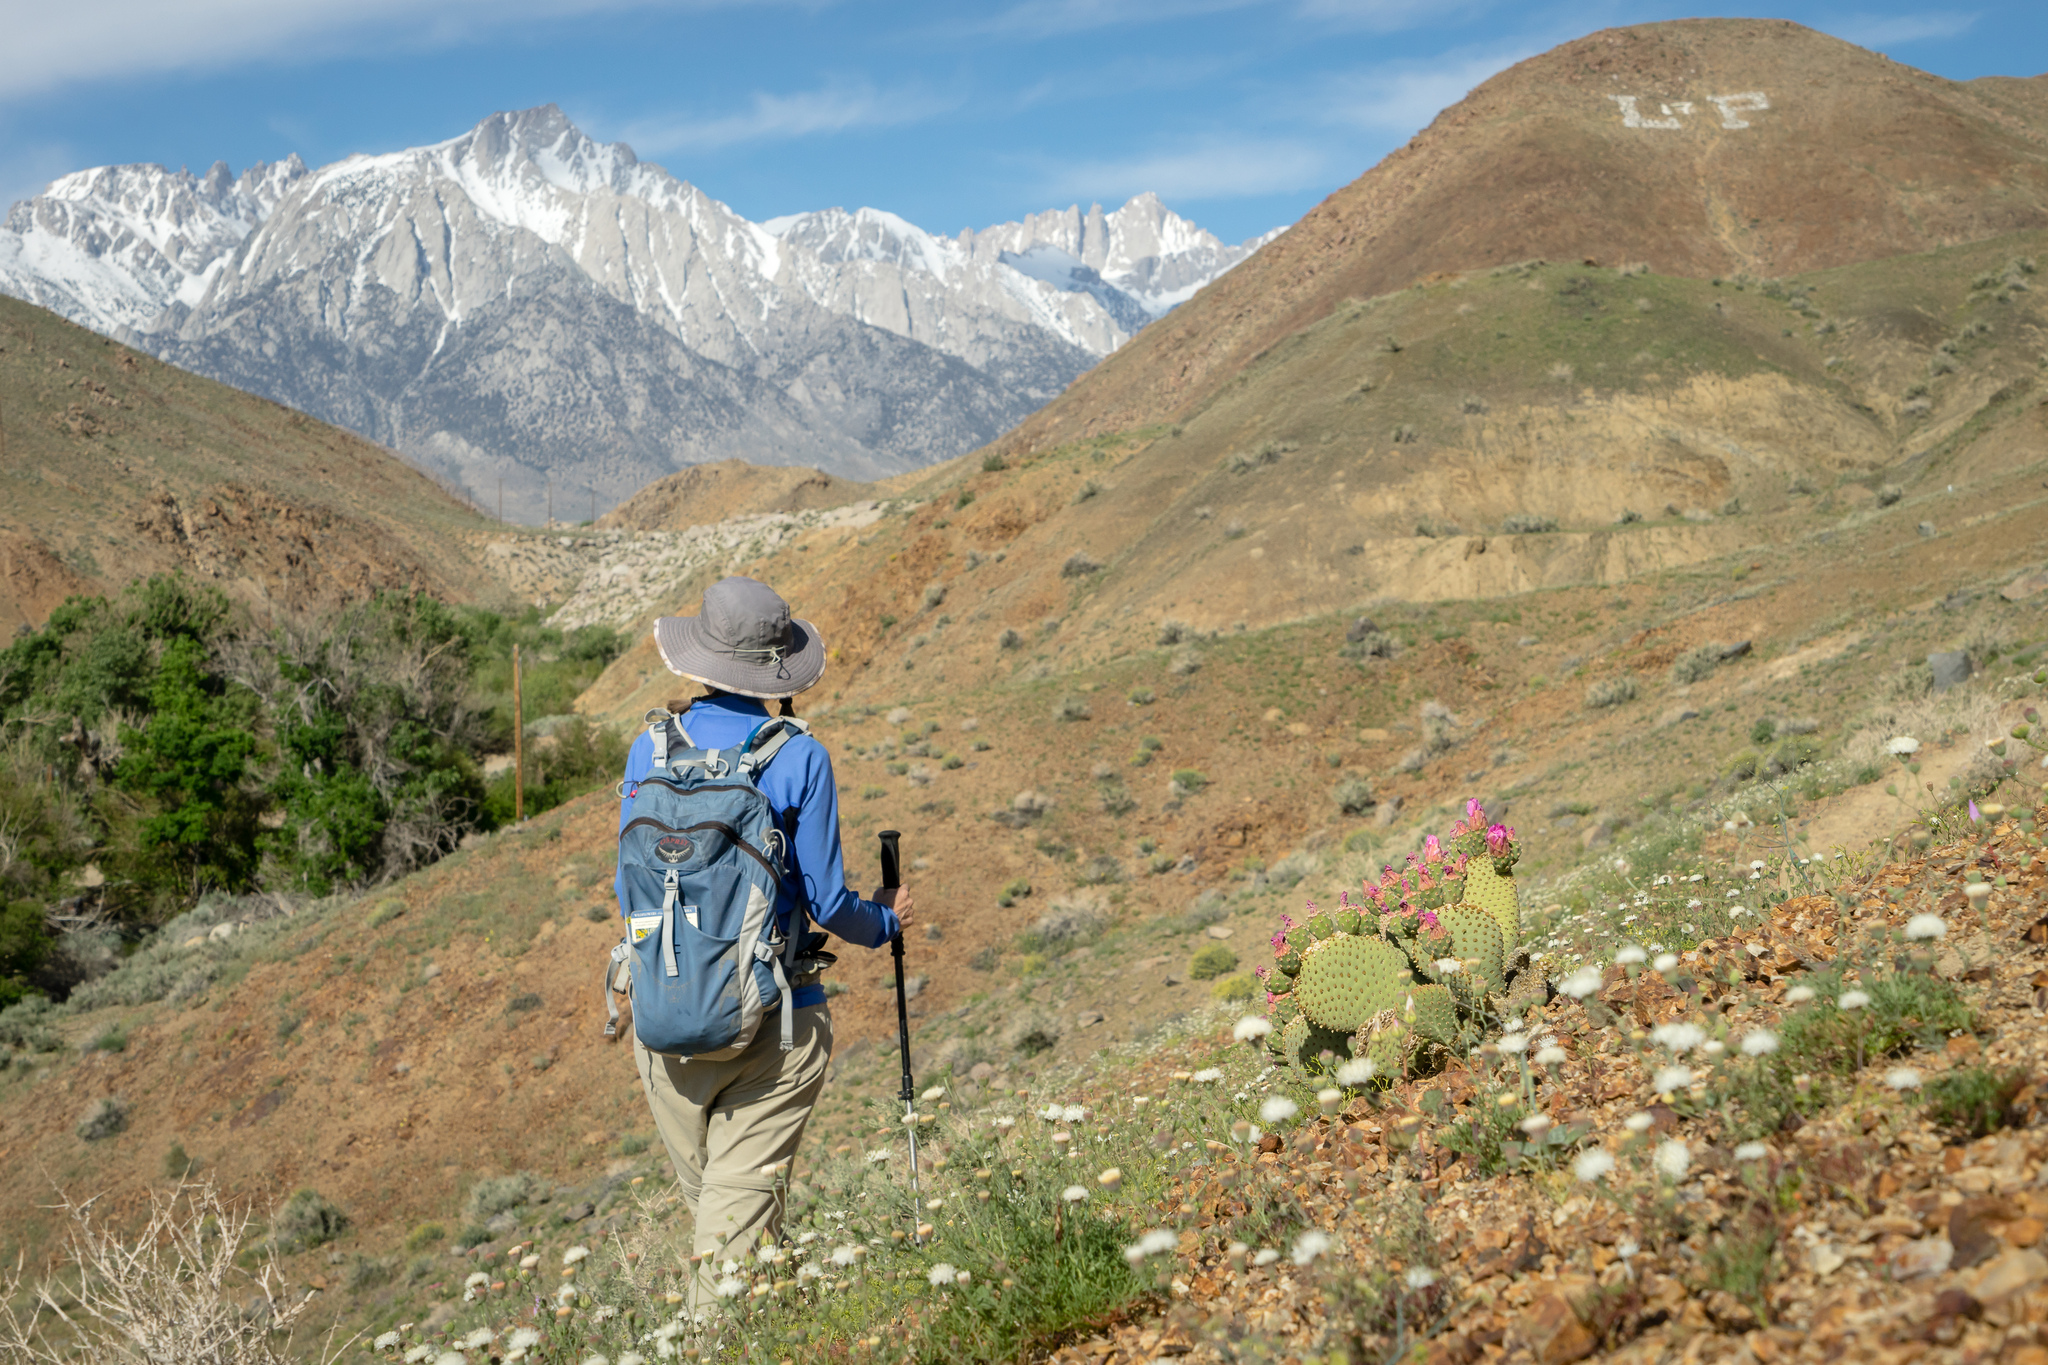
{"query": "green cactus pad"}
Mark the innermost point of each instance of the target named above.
(1279, 983)
(1322, 926)
(1350, 922)
(1476, 937)
(1289, 965)
(1303, 1045)
(1347, 979)
(1495, 894)
(1436, 1014)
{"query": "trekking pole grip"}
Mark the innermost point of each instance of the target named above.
(892, 870)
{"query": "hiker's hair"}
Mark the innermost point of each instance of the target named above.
(682, 705)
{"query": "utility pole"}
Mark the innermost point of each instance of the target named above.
(551, 500)
(518, 746)
(593, 503)
(501, 500)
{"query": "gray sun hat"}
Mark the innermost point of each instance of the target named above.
(742, 640)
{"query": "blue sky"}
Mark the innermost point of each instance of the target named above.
(1240, 113)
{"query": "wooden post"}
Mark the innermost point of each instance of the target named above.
(518, 746)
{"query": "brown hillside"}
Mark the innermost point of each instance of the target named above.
(117, 466)
(708, 493)
(1856, 158)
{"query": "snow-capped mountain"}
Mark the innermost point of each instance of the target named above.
(523, 302)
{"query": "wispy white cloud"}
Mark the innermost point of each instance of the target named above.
(1402, 97)
(834, 108)
(1894, 30)
(1057, 18)
(48, 46)
(1210, 169)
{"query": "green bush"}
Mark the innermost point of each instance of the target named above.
(307, 1219)
(1696, 664)
(103, 1118)
(424, 1236)
(1190, 780)
(1211, 962)
(494, 1195)
(1611, 692)
(1973, 1101)
(1235, 988)
(1353, 795)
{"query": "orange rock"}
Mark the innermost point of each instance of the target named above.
(2023, 1232)
(1553, 1333)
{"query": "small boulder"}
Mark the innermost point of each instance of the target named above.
(1952, 669)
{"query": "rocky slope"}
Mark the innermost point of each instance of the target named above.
(523, 303)
(117, 465)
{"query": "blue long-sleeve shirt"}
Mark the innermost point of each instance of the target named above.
(798, 779)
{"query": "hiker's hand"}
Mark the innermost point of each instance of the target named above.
(897, 898)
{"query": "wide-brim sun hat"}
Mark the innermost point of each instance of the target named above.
(744, 641)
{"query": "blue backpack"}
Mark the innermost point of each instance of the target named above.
(701, 858)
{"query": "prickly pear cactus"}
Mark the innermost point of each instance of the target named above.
(1303, 1045)
(1476, 938)
(1490, 854)
(1346, 979)
(1433, 1013)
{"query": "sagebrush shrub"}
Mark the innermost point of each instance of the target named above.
(1353, 795)
(307, 1219)
(1211, 962)
(1696, 664)
(103, 1118)
(1526, 524)
(1611, 692)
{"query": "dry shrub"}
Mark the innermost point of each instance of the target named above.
(170, 1293)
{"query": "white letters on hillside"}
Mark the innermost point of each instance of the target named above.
(1673, 115)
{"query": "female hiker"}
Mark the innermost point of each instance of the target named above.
(732, 1116)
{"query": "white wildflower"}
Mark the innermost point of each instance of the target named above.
(845, 1255)
(528, 1262)
(1002, 1123)
(1278, 1109)
(1902, 1078)
(1266, 1257)
(1626, 1248)
(477, 1340)
(1074, 1113)
(1207, 1075)
(730, 1287)
(1673, 1158)
(1420, 1277)
(962, 1277)
(1355, 1072)
(1513, 1043)
(1679, 1038)
(1854, 1000)
(1979, 894)
(1580, 983)
(575, 1254)
(1713, 1047)
(1550, 1056)
(937, 1092)
(1151, 1244)
(418, 1354)
(1310, 1245)
(1671, 1079)
(451, 1358)
(1752, 1151)
(477, 1280)
(1926, 926)
(1630, 956)
(1759, 1042)
(1799, 995)
(1593, 1164)
(1665, 961)
(1639, 1122)
(1536, 1125)
(1449, 966)
(632, 1358)
(1902, 745)
(1074, 1194)
(1052, 1113)
(941, 1275)
(386, 1341)
(1251, 1028)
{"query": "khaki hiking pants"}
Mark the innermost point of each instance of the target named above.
(723, 1121)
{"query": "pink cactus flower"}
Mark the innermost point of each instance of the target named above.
(1279, 942)
(1423, 881)
(1429, 918)
(1308, 907)
(1432, 850)
(1497, 839)
(1475, 813)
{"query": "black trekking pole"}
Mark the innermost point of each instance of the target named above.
(892, 877)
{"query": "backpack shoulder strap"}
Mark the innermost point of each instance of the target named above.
(767, 741)
(658, 722)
